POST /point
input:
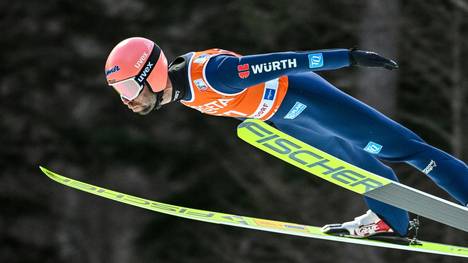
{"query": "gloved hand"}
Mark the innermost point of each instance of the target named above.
(370, 59)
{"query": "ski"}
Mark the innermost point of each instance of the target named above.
(250, 222)
(348, 176)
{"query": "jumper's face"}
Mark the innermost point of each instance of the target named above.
(144, 103)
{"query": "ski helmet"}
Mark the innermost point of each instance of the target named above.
(134, 62)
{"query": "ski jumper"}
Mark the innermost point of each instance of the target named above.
(282, 88)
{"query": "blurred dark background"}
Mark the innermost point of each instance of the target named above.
(57, 111)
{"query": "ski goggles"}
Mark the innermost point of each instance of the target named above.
(130, 88)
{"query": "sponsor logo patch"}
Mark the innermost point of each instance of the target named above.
(261, 111)
(200, 84)
(176, 95)
(112, 70)
(201, 59)
(373, 147)
(143, 75)
(297, 109)
(274, 66)
(432, 164)
(269, 94)
(243, 71)
(315, 60)
(141, 60)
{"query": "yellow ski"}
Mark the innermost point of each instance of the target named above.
(248, 222)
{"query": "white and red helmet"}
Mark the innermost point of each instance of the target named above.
(134, 62)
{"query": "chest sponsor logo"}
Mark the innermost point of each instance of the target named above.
(297, 109)
(373, 147)
(243, 71)
(274, 66)
(200, 84)
(315, 60)
(269, 94)
(214, 106)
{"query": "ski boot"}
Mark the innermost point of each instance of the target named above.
(365, 226)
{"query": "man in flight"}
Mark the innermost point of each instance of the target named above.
(283, 89)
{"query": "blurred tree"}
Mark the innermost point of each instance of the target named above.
(380, 32)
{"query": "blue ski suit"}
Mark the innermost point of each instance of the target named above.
(316, 112)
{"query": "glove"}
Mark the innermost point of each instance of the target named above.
(370, 59)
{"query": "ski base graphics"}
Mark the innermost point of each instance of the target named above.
(250, 222)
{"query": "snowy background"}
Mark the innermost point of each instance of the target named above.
(57, 111)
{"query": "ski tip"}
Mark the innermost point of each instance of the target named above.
(47, 172)
(43, 169)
